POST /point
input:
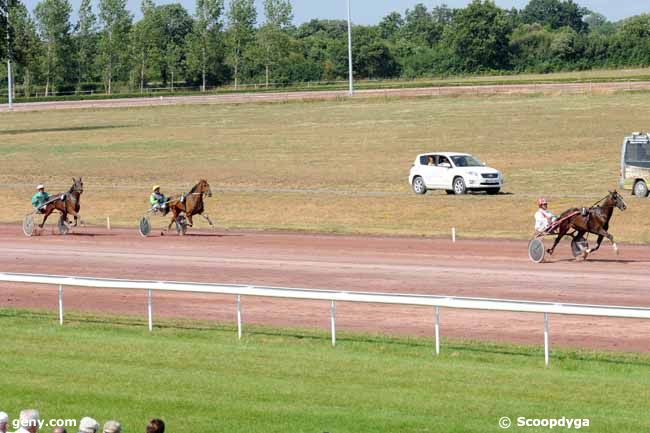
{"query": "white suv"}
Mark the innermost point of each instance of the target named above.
(456, 173)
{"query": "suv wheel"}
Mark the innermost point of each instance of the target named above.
(418, 185)
(459, 186)
(640, 189)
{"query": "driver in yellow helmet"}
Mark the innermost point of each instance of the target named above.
(158, 200)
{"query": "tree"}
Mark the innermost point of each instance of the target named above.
(479, 37)
(241, 32)
(53, 17)
(143, 42)
(26, 48)
(116, 23)
(85, 42)
(632, 41)
(420, 27)
(204, 41)
(173, 24)
(272, 37)
(391, 26)
(555, 14)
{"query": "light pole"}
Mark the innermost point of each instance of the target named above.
(351, 92)
(9, 87)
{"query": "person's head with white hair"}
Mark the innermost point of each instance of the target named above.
(29, 421)
(4, 420)
(88, 425)
(112, 426)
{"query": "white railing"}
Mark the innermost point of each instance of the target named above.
(437, 302)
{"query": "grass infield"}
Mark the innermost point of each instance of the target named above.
(331, 166)
(199, 378)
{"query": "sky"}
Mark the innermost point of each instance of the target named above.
(372, 11)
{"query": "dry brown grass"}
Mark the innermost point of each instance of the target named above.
(556, 146)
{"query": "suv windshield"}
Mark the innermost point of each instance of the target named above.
(466, 161)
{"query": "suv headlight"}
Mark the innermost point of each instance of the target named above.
(472, 173)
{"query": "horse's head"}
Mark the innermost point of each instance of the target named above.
(77, 185)
(617, 200)
(204, 187)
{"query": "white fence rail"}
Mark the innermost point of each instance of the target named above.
(437, 302)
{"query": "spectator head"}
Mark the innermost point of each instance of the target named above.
(88, 425)
(60, 430)
(156, 426)
(29, 419)
(4, 419)
(112, 426)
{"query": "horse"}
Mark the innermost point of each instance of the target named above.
(190, 204)
(595, 220)
(66, 203)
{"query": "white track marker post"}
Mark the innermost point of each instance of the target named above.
(239, 327)
(453, 234)
(333, 323)
(546, 339)
(437, 328)
(61, 304)
(150, 309)
(108, 223)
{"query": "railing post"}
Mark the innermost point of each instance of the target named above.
(150, 309)
(437, 331)
(239, 327)
(333, 323)
(61, 304)
(546, 348)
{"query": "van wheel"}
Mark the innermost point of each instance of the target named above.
(459, 186)
(418, 186)
(640, 189)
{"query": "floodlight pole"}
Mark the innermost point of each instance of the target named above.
(351, 92)
(9, 86)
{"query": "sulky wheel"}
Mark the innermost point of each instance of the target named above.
(536, 251)
(28, 225)
(144, 226)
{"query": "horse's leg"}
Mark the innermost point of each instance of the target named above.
(48, 211)
(174, 216)
(190, 223)
(602, 233)
(560, 235)
(207, 218)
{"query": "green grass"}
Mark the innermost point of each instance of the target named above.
(199, 378)
(331, 166)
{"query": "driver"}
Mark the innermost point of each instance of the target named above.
(40, 198)
(543, 217)
(158, 200)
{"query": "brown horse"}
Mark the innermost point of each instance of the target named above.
(595, 220)
(66, 203)
(190, 204)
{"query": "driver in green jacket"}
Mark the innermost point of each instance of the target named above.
(40, 198)
(158, 201)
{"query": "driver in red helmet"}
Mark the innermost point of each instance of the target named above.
(543, 217)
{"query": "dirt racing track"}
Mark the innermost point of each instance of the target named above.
(261, 97)
(473, 268)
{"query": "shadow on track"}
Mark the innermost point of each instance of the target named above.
(62, 129)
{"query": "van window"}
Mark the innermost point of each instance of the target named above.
(638, 154)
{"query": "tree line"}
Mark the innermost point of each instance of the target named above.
(218, 44)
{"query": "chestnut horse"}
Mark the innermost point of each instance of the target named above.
(190, 204)
(595, 220)
(66, 203)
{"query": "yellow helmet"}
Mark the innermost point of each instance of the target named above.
(155, 187)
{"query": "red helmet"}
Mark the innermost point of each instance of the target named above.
(541, 202)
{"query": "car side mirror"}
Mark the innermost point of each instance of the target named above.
(484, 164)
(445, 165)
